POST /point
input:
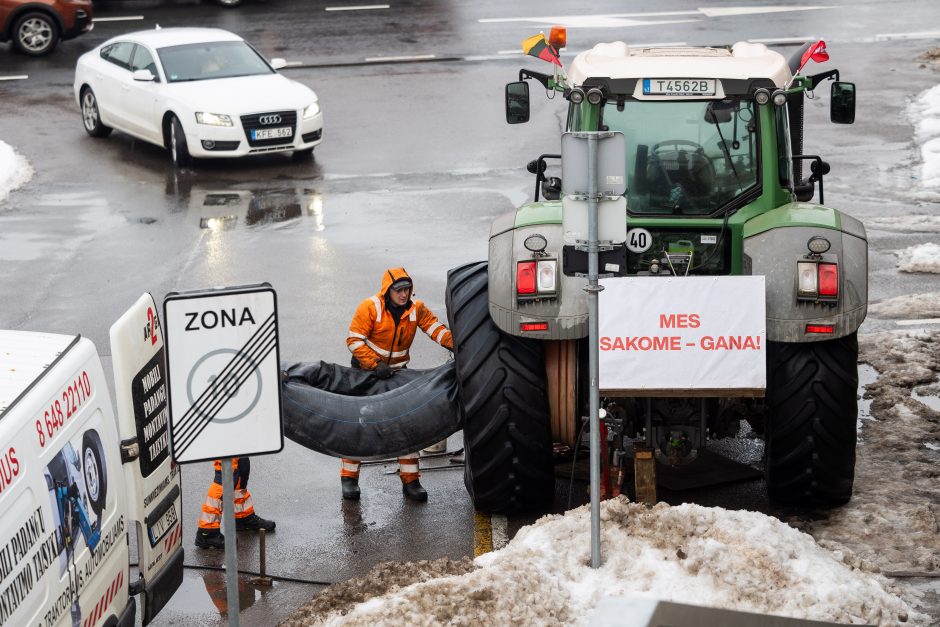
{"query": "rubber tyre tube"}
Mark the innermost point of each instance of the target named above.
(504, 401)
(811, 432)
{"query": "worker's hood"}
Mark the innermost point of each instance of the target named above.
(390, 277)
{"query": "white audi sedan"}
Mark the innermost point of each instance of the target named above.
(200, 92)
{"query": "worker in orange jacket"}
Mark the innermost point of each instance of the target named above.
(380, 335)
(208, 535)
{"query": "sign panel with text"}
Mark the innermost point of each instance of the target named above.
(673, 334)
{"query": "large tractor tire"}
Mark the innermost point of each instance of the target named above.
(502, 383)
(811, 433)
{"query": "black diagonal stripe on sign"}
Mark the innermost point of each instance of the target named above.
(210, 396)
(233, 379)
(251, 367)
(211, 392)
(213, 410)
(234, 374)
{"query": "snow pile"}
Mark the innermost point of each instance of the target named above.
(921, 258)
(918, 223)
(893, 519)
(14, 170)
(925, 113)
(688, 553)
(908, 306)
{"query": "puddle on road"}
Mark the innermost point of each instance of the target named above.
(205, 593)
(223, 209)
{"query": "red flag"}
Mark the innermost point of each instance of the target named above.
(537, 46)
(816, 52)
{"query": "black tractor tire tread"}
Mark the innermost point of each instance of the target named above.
(503, 393)
(812, 395)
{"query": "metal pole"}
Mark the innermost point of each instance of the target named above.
(592, 291)
(228, 528)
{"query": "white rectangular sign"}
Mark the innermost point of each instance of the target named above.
(683, 333)
(224, 374)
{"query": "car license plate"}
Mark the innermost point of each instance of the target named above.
(162, 525)
(271, 133)
(679, 86)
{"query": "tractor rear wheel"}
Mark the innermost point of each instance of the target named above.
(811, 432)
(502, 383)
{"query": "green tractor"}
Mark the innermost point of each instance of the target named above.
(717, 184)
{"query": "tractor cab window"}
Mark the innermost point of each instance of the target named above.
(686, 158)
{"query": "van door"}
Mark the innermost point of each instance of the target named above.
(153, 480)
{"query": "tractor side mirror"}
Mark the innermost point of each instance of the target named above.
(551, 188)
(842, 103)
(517, 102)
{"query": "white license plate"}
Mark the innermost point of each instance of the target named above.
(271, 133)
(679, 86)
(159, 528)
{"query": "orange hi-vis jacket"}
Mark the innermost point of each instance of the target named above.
(374, 335)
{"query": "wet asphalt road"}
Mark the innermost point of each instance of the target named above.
(416, 162)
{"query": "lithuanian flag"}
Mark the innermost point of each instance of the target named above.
(537, 46)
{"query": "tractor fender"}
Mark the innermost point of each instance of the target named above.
(773, 244)
(347, 412)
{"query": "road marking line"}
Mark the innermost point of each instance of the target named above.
(894, 36)
(784, 40)
(361, 7)
(911, 323)
(18, 77)
(128, 18)
(566, 18)
(500, 531)
(415, 57)
(482, 534)
(734, 11)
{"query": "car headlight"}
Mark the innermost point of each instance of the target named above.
(213, 119)
(312, 110)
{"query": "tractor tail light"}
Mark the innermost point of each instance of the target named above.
(807, 278)
(828, 279)
(546, 270)
(534, 326)
(819, 328)
(525, 277)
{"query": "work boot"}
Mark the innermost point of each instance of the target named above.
(253, 522)
(350, 488)
(413, 490)
(210, 539)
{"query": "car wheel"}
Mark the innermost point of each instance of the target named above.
(94, 471)
(503, 395)
(35, 34)
(91, 118)
(179, 151)
(811, 434)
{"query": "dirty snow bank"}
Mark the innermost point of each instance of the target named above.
(688, 553)
(924, 111)
(893, 519)
(908, 306)
(14, 170)
(921, 258)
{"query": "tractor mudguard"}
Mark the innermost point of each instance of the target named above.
(346, 412)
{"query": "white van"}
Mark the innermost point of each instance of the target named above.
(74, 478)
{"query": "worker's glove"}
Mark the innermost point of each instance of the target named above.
(382, 370)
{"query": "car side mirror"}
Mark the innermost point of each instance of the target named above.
(842, 103)
(517, 102)
(144, 76)
(278, 63)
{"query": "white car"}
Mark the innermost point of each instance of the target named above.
(200, 92)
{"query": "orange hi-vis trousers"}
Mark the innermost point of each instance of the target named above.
(407, 468)
(211, 516)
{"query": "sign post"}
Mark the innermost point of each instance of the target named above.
(224, 388)
(598, 183)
